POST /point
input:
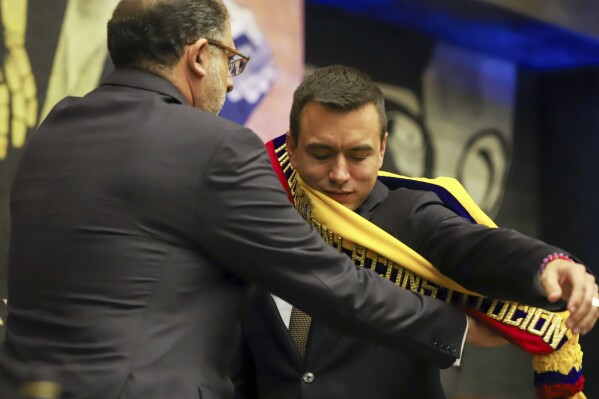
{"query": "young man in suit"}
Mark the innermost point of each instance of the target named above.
(138, 214)
(336, 144)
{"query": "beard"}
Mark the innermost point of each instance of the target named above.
(215, 91)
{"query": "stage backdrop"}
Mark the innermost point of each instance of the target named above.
(501, 100)
(53, 48)
(473, 90)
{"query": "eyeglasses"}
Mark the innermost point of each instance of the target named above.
(237, 63)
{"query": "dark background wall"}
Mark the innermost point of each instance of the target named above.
(568, 130)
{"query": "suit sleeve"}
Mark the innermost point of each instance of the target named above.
(255, 233)
(496, 262)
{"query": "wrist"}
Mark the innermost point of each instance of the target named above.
(550, 258)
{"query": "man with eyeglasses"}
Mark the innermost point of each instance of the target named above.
(138, 215)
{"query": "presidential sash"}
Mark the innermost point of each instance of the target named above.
(557, 359)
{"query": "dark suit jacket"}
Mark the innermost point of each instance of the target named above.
(136, 220)
(345, 367)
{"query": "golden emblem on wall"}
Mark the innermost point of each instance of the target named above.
(18, 93)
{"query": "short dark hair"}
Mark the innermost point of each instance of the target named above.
(152, 34)
(340, 88)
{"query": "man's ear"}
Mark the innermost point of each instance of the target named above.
(291, 147)
(196, 57)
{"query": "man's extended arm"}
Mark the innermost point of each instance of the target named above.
(260, 237)
(500, 263)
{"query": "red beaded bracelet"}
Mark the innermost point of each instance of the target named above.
(551, 257)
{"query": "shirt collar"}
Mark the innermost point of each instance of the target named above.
(140, 79)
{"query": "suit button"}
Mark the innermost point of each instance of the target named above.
(452, 349)
(308, 378)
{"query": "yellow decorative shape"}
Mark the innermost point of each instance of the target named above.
(18, 92)
(81, 52)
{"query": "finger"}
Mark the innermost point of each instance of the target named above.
(587, 323)
(4, 117)
(580, 317)
(18, 103)
(590, 319)
(550, 283)
(27, 83)
(576, 278)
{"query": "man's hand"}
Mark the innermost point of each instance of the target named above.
(481, 335)
(570, 281)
